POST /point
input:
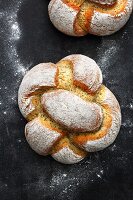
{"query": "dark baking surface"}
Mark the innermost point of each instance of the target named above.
(27, 38)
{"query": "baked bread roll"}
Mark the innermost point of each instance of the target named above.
(98, 17)
(70, 111)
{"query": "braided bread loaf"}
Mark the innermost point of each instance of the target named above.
(98, 17)
(69, 111)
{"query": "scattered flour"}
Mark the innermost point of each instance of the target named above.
(67, 184)
(18, 69)
(107, 55)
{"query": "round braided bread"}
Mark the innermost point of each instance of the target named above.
(98, 17)
(70, 111)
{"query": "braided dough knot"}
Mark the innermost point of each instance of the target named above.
(98, 17)
(69, 111)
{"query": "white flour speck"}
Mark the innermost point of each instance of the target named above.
(99, 176)
(131, 106)
(64, 175)
(113, 147)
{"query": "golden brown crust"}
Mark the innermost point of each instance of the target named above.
(106, 124)
(65, 142)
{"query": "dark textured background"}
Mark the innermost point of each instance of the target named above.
(27, 38)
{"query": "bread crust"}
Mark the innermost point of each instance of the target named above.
(41, 137)
(98, 17)
(89, 80)
(104, 2)
(71, 111)
(109, 130)
(41, 76)
(67, 156)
